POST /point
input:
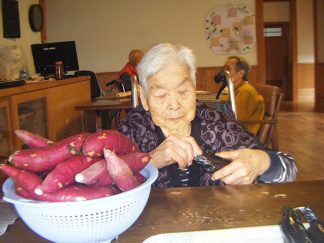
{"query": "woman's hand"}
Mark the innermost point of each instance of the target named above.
(246, 165)
(175, 148)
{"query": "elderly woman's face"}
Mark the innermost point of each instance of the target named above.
(171, 97)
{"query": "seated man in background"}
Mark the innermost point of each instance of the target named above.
(129, 69)
(249, 104)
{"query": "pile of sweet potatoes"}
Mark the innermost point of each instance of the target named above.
(81, 167)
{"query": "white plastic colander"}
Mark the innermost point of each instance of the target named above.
(97, 220)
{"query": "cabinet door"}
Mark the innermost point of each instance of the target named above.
(5, 131)
(29, 112)
(75, 94)
(5, 135)
(72, 95)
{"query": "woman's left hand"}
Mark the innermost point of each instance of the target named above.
(246, 165)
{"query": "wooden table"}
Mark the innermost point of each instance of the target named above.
(207, 208)
(108, 109)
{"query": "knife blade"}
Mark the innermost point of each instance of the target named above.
(211, 162)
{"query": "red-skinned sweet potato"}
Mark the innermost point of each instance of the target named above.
(32, 140)
(120, 172)
(44, 159)
(136, 161)
(23, 193)
(140, 178)
(97, 174)
(27, 180)
(63, 174)
(77, 192)
(110, 139)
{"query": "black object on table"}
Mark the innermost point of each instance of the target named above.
(11, 83)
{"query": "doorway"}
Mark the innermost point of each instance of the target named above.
(278, 59)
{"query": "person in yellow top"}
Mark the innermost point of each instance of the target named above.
(249, 104)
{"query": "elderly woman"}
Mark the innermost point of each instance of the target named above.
(173, 127)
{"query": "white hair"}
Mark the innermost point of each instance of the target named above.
(161, 55)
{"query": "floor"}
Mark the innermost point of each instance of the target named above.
(301, 134)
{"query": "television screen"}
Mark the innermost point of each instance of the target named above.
(45, 55)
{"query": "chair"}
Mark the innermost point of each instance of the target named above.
(116, 85)
(96, 90)
(267, 133)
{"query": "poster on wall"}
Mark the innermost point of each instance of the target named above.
(230, 29)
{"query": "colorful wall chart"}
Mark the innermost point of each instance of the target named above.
(230, 29)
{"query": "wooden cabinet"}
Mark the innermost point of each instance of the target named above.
(45, 108)
(29, 112)
(5, 138)
(5, 129)
(69, 120)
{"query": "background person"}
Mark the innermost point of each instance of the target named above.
(173, 127)
(249, 104)
(129, 69)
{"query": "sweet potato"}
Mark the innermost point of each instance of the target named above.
(97, 174)
(23, 193)
(136, 161)
(77, 192)
(140, 178)
(32, 140)
(120, 172)
(28, 181)
(63, 174)
(43, 159)
(109, 139)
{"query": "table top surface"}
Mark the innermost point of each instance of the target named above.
(106, 104)
(207, 208)
(112, 101)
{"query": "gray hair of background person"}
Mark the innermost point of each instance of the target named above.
(241, 63)
(160, 56)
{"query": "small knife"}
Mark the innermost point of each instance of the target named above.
(211, 162)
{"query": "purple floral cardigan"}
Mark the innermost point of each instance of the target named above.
(214, 131)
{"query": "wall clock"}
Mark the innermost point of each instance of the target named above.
(35, 16)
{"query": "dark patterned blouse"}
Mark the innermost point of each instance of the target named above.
(214, 131)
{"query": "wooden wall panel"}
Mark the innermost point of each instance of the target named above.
(305, 75)
(106, 77)
(305, 81)
(204, 77)
(319, 87)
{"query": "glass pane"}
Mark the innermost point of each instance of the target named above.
(272, 32)
(33, 116)
(4, 132)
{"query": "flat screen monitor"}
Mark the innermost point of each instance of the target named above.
(45, 55)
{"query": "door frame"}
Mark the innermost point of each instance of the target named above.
(261, 42)
(287, 86)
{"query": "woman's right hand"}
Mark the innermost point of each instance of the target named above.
(175, 149)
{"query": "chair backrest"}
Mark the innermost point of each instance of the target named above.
(272, 100)
(96, 90)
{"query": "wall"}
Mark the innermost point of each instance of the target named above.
(276, 12)
(305, 50)
(105, 31)
(319, 68)
(27, 36)
(305, 31)
(320, 31)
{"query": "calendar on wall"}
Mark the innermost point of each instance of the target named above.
(230, 29)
